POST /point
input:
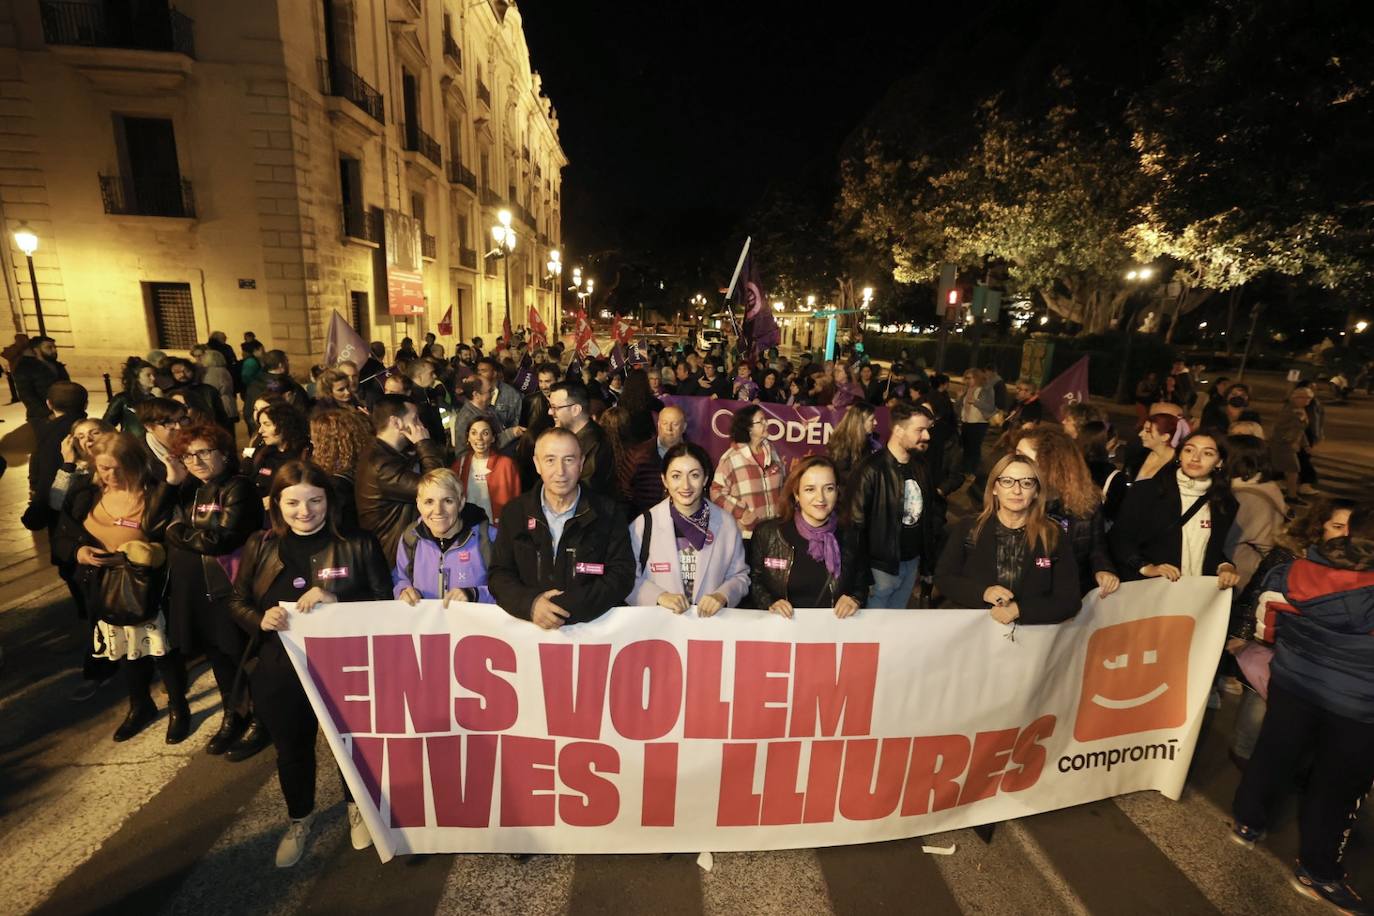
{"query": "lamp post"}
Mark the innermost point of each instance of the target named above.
(555, 268)
(27, 241)
(1135, 276)
(504, 237)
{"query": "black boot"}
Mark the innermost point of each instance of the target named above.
(253, 740)
(140, 717)
(173, 672)
(230, 730)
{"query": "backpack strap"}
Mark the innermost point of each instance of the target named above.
(408, 541)
(644, 541)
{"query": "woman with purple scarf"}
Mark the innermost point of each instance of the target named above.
(689, 551)
(804, 557)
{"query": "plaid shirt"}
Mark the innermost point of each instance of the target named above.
(741, 483)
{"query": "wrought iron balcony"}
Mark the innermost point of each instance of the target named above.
(467, 257)
(148, 196)
(461, 174)
(93, 25)
(362, 224)
(491, 199)
(338, 80)
(452, 51)
(417, 141)
(429, 246)
(491, 267)
(525, 153)
(483, 93)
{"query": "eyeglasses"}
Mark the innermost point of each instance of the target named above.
(555, 407)
(200, 455)
(759, 423)
(177, 421)
(1020, 483)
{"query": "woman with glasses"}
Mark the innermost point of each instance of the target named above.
(804, 557)
(749, 477)
(303, 560)
(1011, 558)
(1176, 523)
(285, 437)
(216, 512)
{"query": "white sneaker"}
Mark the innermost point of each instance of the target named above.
(357, 829)
(292, 845)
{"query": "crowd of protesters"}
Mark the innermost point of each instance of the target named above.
(559, 487)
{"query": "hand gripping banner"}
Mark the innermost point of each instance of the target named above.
(466, 730)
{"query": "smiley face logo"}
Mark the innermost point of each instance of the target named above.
(1135, 678)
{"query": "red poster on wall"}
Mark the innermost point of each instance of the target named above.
(405, 291)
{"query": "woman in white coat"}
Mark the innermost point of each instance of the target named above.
(691, 552)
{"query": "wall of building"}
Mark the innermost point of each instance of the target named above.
(260, 144)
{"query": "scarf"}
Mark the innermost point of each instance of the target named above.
(821, 544)
(692, 528)
(1197, 531)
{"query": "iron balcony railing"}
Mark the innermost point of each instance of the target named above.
(101, 26)
(417, 141)
(452, 51)
(338, 80)
(429, 246)
(491, 199)
(483, 93)
(461, 174)
(362, 224)
(468, 258)
(168, 195)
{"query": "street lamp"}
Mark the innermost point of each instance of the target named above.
(504, 236)
(27, 241)
(555, 268)
(1361, 326)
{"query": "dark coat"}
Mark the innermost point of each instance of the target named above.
(33, 375)
(1048, 592)
(1147, 530)
(1325, 648)
(875, 507)
(594, 568)
(779, 540)
(385, 489)
(598, 459)
(1088, 539)
(43, 466)
(366, 575)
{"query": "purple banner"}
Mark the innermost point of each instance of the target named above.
(794, 431)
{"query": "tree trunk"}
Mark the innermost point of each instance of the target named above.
(1232, 303)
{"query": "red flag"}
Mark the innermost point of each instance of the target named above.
(446, 323)
(539, 332)
(506, 331)
(621, 330)
(584, 333)
(1069, 387)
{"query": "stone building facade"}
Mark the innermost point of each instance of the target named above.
(240, 166)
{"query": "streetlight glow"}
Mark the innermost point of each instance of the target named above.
(1132, 274)
(1145, 273)
(1361, 326)
(26, 240)
(504, 217)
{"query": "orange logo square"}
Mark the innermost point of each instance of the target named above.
(1135, 678)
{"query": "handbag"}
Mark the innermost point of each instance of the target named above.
(125, 594)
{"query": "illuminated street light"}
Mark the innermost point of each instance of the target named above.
(27, 241)
(504, 236)
(777, 306)
(1361, 326)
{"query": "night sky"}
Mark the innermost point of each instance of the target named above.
(676, 116)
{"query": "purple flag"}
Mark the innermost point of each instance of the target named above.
(525, 381)
(617, 357)
(343, 343)
(760, 330)
(1069, 387)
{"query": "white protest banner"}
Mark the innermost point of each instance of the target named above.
(467, 730)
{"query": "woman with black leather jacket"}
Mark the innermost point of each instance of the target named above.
(804, 557)
(285, 437)
(301, 559)
(217, 509)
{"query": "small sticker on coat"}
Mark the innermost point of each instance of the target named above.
(1206, 523)
(661, 567)
(710, 537)
(265, 472)
(464, 556)
(209, 507)
(298, 582)
(774, 563)
(126, 523)
(333, 572)
(530, 524)
(591, 569)
(1044, 562)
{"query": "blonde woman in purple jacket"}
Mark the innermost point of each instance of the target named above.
(691, 552)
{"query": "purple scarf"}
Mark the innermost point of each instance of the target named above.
(821, 544)
(692, 528)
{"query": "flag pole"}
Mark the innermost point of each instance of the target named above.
(730, 292)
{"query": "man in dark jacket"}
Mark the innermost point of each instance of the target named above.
(370, 374)
(562, 554)
(388, 477)
(895, 501)
(570, 406)
(68, 402)
(197, 394)
(36, 370)
(646, 482)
